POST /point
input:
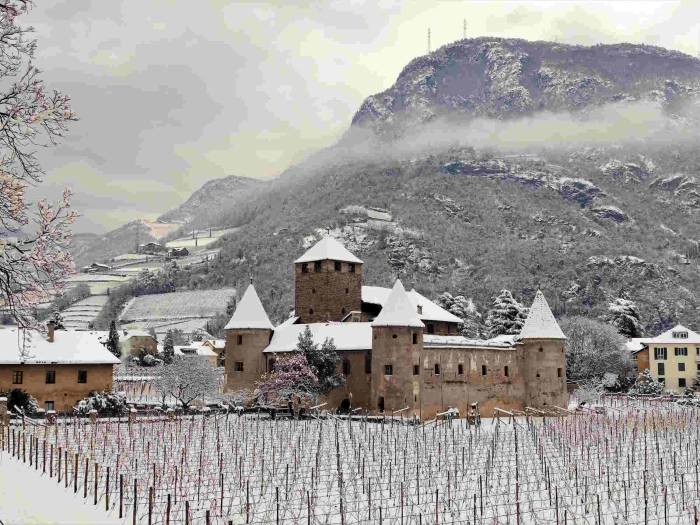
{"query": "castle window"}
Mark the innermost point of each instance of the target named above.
(17, 377)
(338, 266)
(346, 367)
(460, 369)
(660, 353)
(380, 404)
(506, 372)
(311, 311)
(351, 267)
(342, 310)
(560, 372)
(416, 370)
(50, 405)
(483, 370)
(437, 369)
(82, 376)
(681, 351)
(661, 369)
(238, 366)
(537, 374)
(681, 367)
(239, 339)
(388, 370)
(368, 362)
(317, 266)
(541, 349)
(681, 382)
(394, 336)
(50, 377)
(415, 338)
(304, 268)
(313, 290)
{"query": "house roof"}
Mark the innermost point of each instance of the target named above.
(328, 248)
(134, 333)
(249, 313)
(346, 336)
(667, 337)
(431, 311)
(216, 343)
(540, 322)
(635, 344)
(398, 310)
(194, 349)
(68, 347)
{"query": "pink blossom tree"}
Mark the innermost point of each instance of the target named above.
(34, 249)
(292, 377)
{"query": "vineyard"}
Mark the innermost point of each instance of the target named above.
(634, 462)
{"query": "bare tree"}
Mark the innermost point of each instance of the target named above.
(34, 261)
(187, 379)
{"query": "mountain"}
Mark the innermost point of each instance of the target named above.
(213, 199)
(608, 213)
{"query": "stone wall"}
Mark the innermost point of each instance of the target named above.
(544, 370)
(396, 347)
(66, 391)
(357, 384)
(327, 294)
(502, 384)
(245, 346)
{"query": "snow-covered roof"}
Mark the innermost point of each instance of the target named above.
(431, 311)
(679, 334)
(217, 343)
(452, 341)
(346, 336)
(328, 248)
(194, 349)
(133, 333)
(635, 344)
(291, 320)
(249, 313)
(398, 310)
(540, 322)
(68, 347)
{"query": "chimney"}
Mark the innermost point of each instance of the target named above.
(51, 326)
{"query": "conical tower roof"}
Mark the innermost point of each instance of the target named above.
(540, 322)
(250, 313)
(398, 310)
(328, 248)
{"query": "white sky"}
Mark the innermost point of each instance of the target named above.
(174, 93)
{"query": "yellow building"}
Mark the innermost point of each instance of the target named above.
(672, 357)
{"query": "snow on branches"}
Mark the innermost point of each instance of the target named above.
(187, 379)
(624, 315)
(35, 261)
(506, 317)
(292, 376)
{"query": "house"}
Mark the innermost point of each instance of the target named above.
(218, 346)
(151, 248)
(398, 349)
(671, 357)
(96, 268)
(132, 341)
(179, 252)
(197, 349)
(58, 369)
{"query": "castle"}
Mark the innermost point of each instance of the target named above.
(398, 349)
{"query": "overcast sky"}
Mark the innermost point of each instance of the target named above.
(174, 93)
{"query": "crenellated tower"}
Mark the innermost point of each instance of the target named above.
(327, 283)
(397, 342)
(247, 334)
(543, 357)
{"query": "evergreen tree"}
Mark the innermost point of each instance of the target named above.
(323, 360)
(466, 310)
(646, 384)
(113, 340)
(168, 348)
(624, 315)
(507, 316)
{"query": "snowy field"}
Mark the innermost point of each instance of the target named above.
(633, 464)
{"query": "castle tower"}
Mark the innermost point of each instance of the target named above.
(544, 359)
(397, 342)
(327, 283)
(247, 334)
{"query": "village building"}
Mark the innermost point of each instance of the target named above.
(398, 349)
(57, 369)
(219, 347)
(132, 342)
(671, 357)
(197, 349)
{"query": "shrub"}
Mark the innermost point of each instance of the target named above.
(106, 404)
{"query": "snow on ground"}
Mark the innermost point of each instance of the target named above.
(28, 497)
